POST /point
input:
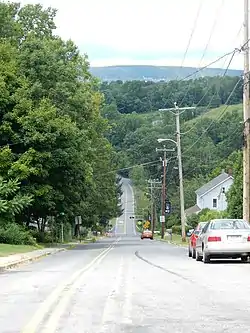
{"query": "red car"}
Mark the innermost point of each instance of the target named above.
(147, 234)
(192, 239)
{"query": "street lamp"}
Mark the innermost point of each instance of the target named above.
(162, 140)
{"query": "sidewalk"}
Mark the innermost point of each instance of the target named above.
(21, 258)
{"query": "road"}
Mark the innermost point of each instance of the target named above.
(125, 284)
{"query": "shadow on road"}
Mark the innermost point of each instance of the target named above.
(228, 261)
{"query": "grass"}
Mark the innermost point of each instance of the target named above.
(214, 113)
(176, 239)
(8, 249)
(211, 114)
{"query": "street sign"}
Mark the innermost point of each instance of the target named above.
(162, 219)
(168, 208)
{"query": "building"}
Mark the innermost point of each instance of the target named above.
(212, 195)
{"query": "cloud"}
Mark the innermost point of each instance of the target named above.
(149, 30)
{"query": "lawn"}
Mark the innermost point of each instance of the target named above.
(7, 249)
(176, 239)
(215, 113)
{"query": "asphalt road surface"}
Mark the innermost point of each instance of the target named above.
(125, 284)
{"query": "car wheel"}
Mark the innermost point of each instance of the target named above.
(244, 258)
(197, 256)
(189, 252)
(193, 254)
(151, 238)
(206, 258)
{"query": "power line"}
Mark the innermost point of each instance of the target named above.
(212, 97)
(192, 32)
(217, 118)
(206, 47)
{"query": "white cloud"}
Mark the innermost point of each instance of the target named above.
(150, 26)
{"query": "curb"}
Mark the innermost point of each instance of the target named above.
(29, 259)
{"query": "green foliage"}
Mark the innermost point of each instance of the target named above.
(206, 215)
(176, 229)
(141, 96)
(52, 132)
(209, 144)
(193, 220)
(12, 202)
(15, 234)
(235, 193)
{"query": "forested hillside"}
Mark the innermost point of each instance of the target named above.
(211, 137)
(53, 153)
(155, 73)
(141, 97)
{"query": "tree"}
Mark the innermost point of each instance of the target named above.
(50, 123)
(235, 193)
(12, 202)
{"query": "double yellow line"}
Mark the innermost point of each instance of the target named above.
(57, 302)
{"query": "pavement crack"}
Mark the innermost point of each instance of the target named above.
(162, 268)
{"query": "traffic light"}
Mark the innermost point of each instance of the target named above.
(131, 217)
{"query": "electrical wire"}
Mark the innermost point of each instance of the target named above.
(217, 118)
(206, 47)
(192, 32)
(213, 95)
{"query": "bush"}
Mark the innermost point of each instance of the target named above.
(42, 237)
(15, 234)
(176, 229)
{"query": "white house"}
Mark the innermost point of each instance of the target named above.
(213, 194)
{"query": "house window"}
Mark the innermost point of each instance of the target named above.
(215, 203)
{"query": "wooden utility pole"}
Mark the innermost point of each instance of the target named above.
(152, 183)
(177, 113)
(246, 111)
(178, 134)
(163, 196)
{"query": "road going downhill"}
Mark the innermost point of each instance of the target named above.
(125, 284)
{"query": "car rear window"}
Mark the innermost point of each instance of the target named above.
(229, 224)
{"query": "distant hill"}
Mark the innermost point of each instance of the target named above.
(155, 73)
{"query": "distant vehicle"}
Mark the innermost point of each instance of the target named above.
(224, 238)
(147, 234)
(120, 222)
(109, 233)
(192, 240)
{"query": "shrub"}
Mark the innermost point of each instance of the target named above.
(15, 234)
(176, 229)
(43, 237)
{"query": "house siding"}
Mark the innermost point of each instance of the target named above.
(206, 200)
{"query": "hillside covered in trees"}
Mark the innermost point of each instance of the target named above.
(143, 97)
(211, 136)
(155, 73)
(53, 152)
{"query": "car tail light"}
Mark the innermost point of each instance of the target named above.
(214, 239)
(248, 238)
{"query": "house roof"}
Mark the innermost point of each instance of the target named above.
(213, 183)
(192, 210)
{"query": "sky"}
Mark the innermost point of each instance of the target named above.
(152, 32)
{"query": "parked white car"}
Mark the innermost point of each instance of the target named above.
(224, 238)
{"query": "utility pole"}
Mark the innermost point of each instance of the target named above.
(176, 111)
(178, 134)
(246, 112)
(152, 183)
(163, 196)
